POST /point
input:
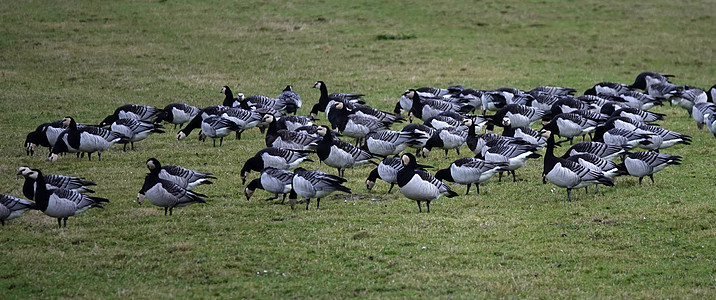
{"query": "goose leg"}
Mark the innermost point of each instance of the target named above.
(651, 176)
(640, 178)
(586, 190)
(284, 199)
(271, 198)
(446, 153)
(499, 179)
(171, 210)
(132, 145)
(99, 155)
(65, 222)
(214, 142)
(420, 209)
(428, 204)
(391, 187)
(514, 177)
(318, 203)
(307, 201)
(468, 188)
(59, 222)
(596, 188)
(458, 151)
(221, 141)
(124, 149)
(477, 185)
(89, 156)
(569, 194)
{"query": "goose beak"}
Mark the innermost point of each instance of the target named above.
(53, 157)
(140, 198)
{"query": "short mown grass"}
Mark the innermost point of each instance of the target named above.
(84, 59)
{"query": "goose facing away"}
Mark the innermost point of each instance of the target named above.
(419, 185)
(11, 207)
(186, 178)
(164, 193)
(644, 163)
(316, 184)
(469, 170)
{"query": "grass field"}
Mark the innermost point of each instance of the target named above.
(85, 58)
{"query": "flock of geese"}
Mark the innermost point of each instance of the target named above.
(615, 116)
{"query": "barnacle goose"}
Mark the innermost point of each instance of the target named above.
(287, 139)
(553, 90)
(389, 142)
(516, 115)
(325, 98)
(353, 125)
(469, 170)
(132, 111)
(645, 79)
(621, 137)
(527, 134)
(492, 101)
(544, 101)
(188, 179)
(664, 90)
(699, 110)
(178, 114)
(710, 121)
(608, 88)
(53, 181)
(645, 163)
(446, 139)
(515, 155)
(11, 207)
(229, 99)
(271, 157)
(217, 127)
(214, 110)
(419, 185)
(569, 174)
(603, 150)
(165, 193)
(134, 130)
(316, 184)
(570, 125)
(86, 139)
(387, 170)
(638, 100)
(638, 114)
(339, 154)
(426, 108)
(272, 180)
(44, 135)
(243, 118)
(596, 163)
(292, 100)
(60, 203)
(423, 134)
(292, 122)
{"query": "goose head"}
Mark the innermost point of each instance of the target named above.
(318, 84)
(181, 135)
(153, 165)
(140, 198)
(268, 118)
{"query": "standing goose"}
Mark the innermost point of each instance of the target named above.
(339, 154)
(605, 151)
(11, 207)
(316, 184)
(621, 137)
(389, 142)
(178, 114)
(645, 79)
(596, 163)
(638, 114)
(570, 125)
(134, 130)
(185, 178)
(446, 139)
(86, 139)
(44, 135)
(292, 100)
(164, 193)
(53, 181)
(644, 163)
(229, 99)
(608, 88)
(60, 203)
(515, 155)
(214, 110)
(132, 111)
(469, 170)
(639, 100)
(244, 119)
(689, 97)
(272, 180)
(217, 127)
(568, 174)
(423, 134)
(285, 138)
(425, 109)
(419, 185)
(527, 134)
(271, 157)
(353, 125)
(292, 122)
(699, 110)
(387, 170)
(710, 121)
(326, 98)
(553, 90)
(492, 101)
(515, 115)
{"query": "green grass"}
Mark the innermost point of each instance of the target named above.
(85, 58)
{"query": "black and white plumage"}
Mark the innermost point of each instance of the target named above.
(666, 138)
(515, 155)
(544, 101)
(645, 163)
(596, 163)
(86, 139)
(389, 142)
(621, 137)
(527, 134)
(214, 110)
(419, 185)
(664, 90)
(638, 114)
(553, 90)
(446, 139)
(165, 193)
(516, 115)
(54, 181)
(217, 127)
(186, 178)
(608, 88)
(699, 110)
(60, 203)
(133, 111)
(316, 184)
(325, 98)
(387, 170)
(339, 154)
(285, 138)
(426, 108)
(710, 121)
(178, 114)
(229, 99)
(603, 150)
(244, 119)
(639, 100)
(470, 171)
(646, 79)
(570, 125)
(135, 130)
(272, 180)
(44, 135)
(353, 125)
(492, 101)
(569, 174)
(271, 157)
(11, 207)
(291, 99)
(292, 122)
(423, 134)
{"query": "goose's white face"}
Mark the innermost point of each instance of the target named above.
(223, 90)
(66, 121)
(317, 85)
(53, 157)
(467, 122)
(150, 165)
(248, 193)
(23, 171)
(409, 94)
(506, 121)
(202, 136)
(245, 175)
(426, 152)
(240, 96)
(268, 118)
(339, 105)
(181, 136)
(405, 159)
(322, 131)
(33, 175)
(140, 198)
(369, 184)
(545, 133)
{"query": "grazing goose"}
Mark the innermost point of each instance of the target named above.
(710, 121)
(492, 101)
(217, 127)
(426, 108)
(44, 135)
(60, 203)
(178, 114)
(638, 114)
(605, 151)
(417, 184)
(570, 125)
(639, 100)
(229, 99)
(544, 101)
(132, 111)
(389, 142)
(469, 170)
(387, 170)
(215, 110)
(667, 138)
(261, 101)
(339, 154)
(514, 155)
(515, 115)
(423, 134)
(566, 105)
(644, 163)
(442, 121)
(244, 119)
(53, 181)
(664, 90)
(553, 90)
(272, 180)
(596, 163)
(353, 125)
(86, 139)
(185, 178)
(326, 98)
(134, 130)
(271, 157)
(527, 134)
(478, 142)
(645, 79)
(568, 174)
(699, 110)
(446, 139)
(316, 184)
(292, 122)
(165, 193)
(292, 100)
(608, 88)
(287, 139)
(628, 139)
(11, 207)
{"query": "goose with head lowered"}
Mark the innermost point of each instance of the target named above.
(165, 193)
(86, 139)
(387, 170)
(271, 157)
(132, 111)
(446, 139)
(515, 155)
(44, 135)
(339, 154)
(425, 109)
(135, 130)
(316, 184)
(195, 122)
(186, 178)
(605, 151)
(285, 138)
(353, 125)
(217, 127)
(569, 174)
(60, 203)
(389, 142)
(292, 100)
(272, 180)
(11, 207)
(419, 185)
(645, 163)
(178, 114)
(468, 170)
(596, 163)
(53, 181)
